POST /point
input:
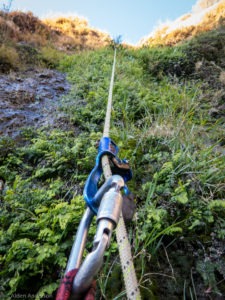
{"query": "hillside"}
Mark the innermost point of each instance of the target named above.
(25, 39)
(75, 33)
(206, 15)
(168, 120)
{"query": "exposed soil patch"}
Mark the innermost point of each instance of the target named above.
(30, 98)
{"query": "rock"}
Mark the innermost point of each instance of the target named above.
(30, 98)
(128, 207)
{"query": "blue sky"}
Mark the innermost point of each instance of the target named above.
(131, 19)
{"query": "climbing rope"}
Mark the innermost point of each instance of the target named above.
(106, 203)
(126, 259)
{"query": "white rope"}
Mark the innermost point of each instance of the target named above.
(109, 104)
(126, 259)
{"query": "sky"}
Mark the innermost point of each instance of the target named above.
(132, 19)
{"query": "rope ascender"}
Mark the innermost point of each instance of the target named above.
(106, 203)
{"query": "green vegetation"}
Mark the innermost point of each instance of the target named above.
(164, 124)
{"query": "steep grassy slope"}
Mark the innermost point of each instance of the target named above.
(168, 120)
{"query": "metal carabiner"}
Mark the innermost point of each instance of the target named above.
(77, 250)
(109, 200)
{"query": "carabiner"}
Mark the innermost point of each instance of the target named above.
(107, 219)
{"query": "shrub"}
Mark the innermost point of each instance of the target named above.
(9, 58)
(50, 57)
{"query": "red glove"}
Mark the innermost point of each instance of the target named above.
(65, 289)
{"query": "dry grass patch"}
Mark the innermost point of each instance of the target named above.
(74, 32)
(63, 33)
(212, 19)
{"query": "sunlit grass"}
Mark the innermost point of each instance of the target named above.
(166, 35)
